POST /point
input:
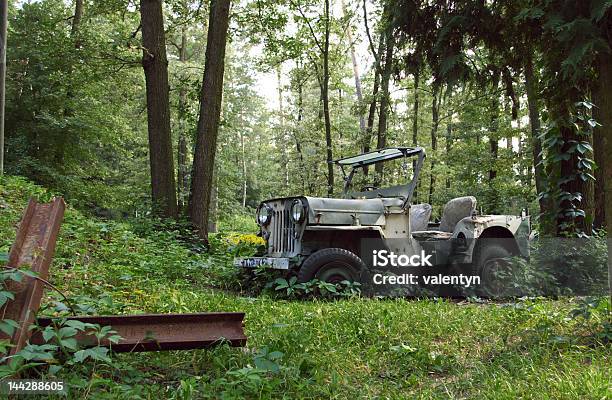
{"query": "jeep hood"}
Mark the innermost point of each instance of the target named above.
(324, 211)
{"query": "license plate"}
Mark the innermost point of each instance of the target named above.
(256, 262)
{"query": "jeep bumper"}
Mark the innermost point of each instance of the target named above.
(262, 262)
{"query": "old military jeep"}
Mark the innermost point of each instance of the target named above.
(331, 239)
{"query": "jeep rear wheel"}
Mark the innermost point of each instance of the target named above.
(332, 265)
(494, 270)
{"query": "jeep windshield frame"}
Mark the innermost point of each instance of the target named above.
(354, 163)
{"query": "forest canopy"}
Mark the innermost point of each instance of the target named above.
(508, 98)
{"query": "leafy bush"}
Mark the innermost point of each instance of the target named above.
(563, 266)
(595, 315)
(290, 288)
(61, 347)
(238, 222)
(244, 245)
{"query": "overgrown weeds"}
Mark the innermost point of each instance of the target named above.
(349, 347)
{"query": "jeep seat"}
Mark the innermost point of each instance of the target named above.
(454, 211)
(419, 217)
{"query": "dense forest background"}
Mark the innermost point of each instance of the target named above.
(510, 99)
(156, 117)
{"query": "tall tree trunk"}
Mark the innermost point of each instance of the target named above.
(244, 169)
(282, 136)
(384, 98)
(358, 90)
(374, 101)
(435, 121)
(415, 126)
(60, 147)
(449, 143)
(298, 145)
(588, 201)
(494, 146)
(3, 31)
(155, 67)
(210, 115)
(568, 168)
(605, 119)
(599, 148)
(531, 84)
(325, 95)
(76, 19)
(214, 202)
(371, 113)
(183, 184)
(494, 130)
(493, 133)
(511, 103)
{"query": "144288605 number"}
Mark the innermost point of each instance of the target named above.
(24, 386)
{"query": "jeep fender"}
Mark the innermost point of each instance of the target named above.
(509, 228)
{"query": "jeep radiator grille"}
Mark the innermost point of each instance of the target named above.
(282, 238)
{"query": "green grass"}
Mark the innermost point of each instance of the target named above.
(346, 349)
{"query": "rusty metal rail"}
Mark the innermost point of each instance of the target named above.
(152, 332)
(33, 249)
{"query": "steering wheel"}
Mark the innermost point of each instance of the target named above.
(368, 188)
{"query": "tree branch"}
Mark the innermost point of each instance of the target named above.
(312, 32)
(367, 28)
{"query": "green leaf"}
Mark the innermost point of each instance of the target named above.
(48, 333)
(593, 123)
(67, 331)
(6, 296)
(275, 355)
(8, 326)
(29, 273)
(585, 176)
(100, 353)
(80, 356)
(75, 324)
(266, 365)
(70, 343)
(15, 276)
(59, 306)
(38, 352)
(54, 369)
(114, 339)
(96, 353)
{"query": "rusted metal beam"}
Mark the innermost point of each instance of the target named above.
(33, 249)
(152, 332)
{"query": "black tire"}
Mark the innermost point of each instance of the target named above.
(332, 265)
(494, 271)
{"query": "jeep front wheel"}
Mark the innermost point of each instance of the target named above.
(332, 265)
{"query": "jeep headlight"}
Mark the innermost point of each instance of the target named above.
(298, 211)
(264, 215)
